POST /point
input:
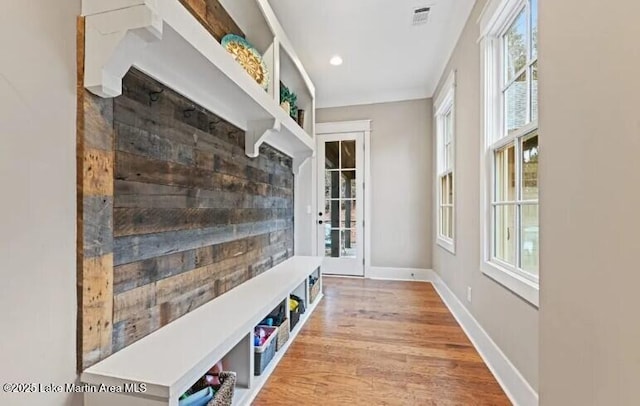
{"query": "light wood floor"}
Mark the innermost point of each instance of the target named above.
(381, 343)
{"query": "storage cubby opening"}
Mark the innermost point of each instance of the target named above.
(237, 360)
(277, 316)
(251, 20)
(301, 292)
(292, 78)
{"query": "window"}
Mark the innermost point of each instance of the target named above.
(445, 134)
(510, 158)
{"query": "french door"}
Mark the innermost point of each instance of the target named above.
(340, 203)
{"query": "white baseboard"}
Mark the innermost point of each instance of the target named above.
(512, 382)
(399, 274)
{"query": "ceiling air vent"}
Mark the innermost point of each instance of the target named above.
(421, 15)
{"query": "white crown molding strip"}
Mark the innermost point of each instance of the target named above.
(512, 382)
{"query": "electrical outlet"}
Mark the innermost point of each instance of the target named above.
(469, 294)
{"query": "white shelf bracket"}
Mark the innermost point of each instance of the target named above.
(299, 159)
(113, 40)
(256, 133)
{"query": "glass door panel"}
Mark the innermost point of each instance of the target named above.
(341, 188)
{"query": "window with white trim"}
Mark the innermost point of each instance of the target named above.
(510, 169)
(445, 136)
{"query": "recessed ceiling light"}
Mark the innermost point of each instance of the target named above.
(336, 60)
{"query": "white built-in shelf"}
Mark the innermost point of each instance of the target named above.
(171, 359)
(164, 40)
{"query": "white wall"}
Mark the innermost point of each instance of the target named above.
(304, 222)
(37, 209)
(400, 173)
(510, 321)
(589, 202)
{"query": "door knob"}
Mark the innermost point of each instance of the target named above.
(319, 221)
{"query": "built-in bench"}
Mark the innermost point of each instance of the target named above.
(160, 367)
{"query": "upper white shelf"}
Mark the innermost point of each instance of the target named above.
(164, 40)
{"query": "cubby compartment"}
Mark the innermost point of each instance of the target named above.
(238, 361)
(229, 378)
(315, 286)
(295, 80)
(264, 347)
(298, 303)
(279, 317)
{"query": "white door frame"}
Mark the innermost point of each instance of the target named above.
(363, 126)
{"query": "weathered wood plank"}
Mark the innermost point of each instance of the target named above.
(96, 308)
(134, 221)
(205, 160)
(139, 194)
(213, 17)
(136, 274)
(97, 226)
(140, 247)
(128, 331)
(129, 303)
(219, 252)
(148, 221)
(183, 304)
(232, 279)
(132, 275)
(170, 288)
(130, 167)
(98, 173)
(141, 142)
(95, 121)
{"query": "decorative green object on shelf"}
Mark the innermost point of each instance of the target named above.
(248, 57)
(287, 95)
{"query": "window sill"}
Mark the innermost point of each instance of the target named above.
(526, 289)
(447, 244)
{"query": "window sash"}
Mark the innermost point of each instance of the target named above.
(527, 69)
(445, 141)
(517, 234)
(514, 139)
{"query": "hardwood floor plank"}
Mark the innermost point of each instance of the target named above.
(381, 343)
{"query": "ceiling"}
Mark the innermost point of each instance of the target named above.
(386, 58)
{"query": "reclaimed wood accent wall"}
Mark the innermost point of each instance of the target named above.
(171, 212)
(193, 215)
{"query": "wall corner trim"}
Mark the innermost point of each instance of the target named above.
(512, 382)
